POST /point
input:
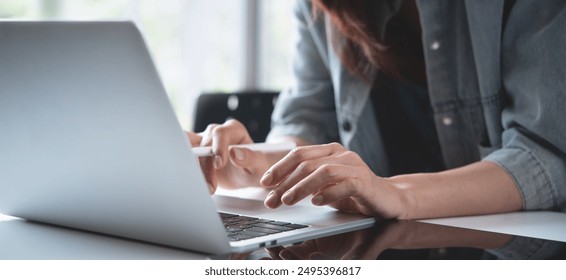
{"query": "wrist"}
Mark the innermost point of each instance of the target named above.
(408, 204)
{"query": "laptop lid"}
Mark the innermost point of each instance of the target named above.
(89, 139)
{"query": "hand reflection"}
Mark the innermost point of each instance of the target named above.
(353, 245)
(368, 244)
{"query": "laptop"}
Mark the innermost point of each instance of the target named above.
(89, 140)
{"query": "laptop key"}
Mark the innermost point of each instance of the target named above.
(234, 237)
(250, 234)
(264, 230)
(226, 215)
(279, 223)
(234, 220)
(296, 226)
(244, 227)
(275, 227)
(240, 226)
(249, 219)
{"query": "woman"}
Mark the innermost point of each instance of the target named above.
(467, 122)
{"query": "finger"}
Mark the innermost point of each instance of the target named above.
(207, 166)
(229, 133)
(326, 173)
(354, 254)
(324, 176)
(194, 138)
(300, 251)
(246, 160)
(282, 168)
(303, 171)
(206, 135)
(295, 252)
(207, 140)
(254, 163)
(367, 248)
(323, 172)
(274, 252)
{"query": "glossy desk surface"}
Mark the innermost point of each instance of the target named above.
(523, 235)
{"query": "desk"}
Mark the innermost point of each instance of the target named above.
(537, 224)
(20, 239)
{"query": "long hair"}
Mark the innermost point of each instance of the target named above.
(357, 42)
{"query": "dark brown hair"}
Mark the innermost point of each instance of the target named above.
(356, 40)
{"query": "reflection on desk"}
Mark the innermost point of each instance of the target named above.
(21, 239)
(417, 240)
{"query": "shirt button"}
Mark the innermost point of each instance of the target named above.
(435, 45)
(447, 121)
(347, 126)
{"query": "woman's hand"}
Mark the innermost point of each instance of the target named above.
(335, 177)
(231, 167)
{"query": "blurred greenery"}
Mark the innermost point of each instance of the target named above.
(18, 9)
(186, 37)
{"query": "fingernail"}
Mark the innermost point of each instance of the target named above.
(217, 161)
(266, 179)
(270, 194)
(317, 200)
(239, 154)
(271, 201)
(288, 198)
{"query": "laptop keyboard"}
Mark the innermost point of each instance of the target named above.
(244, 227)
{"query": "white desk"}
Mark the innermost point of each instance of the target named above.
(20, 239)
(542, 224)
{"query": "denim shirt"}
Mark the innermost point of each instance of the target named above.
(498, 91)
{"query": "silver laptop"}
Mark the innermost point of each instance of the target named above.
(89, 140)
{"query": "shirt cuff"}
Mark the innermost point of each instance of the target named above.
(528, 174)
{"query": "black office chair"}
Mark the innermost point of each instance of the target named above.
(251, 108)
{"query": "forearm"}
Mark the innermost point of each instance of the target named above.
(478, 188)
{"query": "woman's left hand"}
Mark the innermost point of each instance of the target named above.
(335, 177)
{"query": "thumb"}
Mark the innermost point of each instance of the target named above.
(207, 166)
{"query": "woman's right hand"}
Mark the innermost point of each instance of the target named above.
(231, 167)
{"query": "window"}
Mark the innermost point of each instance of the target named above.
(198, 46)
(275, 33)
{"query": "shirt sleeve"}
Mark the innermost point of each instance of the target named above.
(534, 115)
(307, 109)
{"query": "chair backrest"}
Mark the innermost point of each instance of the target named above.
(251, 108)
